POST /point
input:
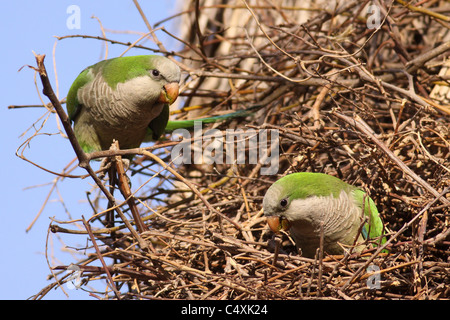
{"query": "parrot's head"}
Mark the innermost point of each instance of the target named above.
(290, 200)
(167, 75)
(146, 79)
(275, 203)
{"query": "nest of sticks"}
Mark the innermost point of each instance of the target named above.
(363, 99)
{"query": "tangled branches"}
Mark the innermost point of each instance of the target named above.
(365, 102)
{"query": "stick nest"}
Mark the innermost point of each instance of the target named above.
(366, 102)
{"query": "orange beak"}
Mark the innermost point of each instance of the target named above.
(276, 224)
(169, 93)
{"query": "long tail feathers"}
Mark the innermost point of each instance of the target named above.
(172, 125)
(187, 124)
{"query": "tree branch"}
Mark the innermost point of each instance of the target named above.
(83, 158)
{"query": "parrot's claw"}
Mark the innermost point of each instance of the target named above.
(126, 164)
(105, 165)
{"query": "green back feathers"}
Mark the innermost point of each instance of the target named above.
(302, 185)
(118, 70)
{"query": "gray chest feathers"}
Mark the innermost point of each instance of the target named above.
(122, 114)
(340, 219)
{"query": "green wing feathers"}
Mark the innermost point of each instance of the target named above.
(157, 126)
(72, 103)
(374, 227)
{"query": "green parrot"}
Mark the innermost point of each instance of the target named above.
(306, 203)
(125, 98)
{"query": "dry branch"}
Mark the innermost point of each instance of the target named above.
(346, 99)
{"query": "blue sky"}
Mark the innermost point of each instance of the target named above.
(28, 26)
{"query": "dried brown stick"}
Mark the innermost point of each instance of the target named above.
(390, 240)
(83, 159)
(124, 188)
(190, 185)
(413, 65)
(362, 127)
(100, 257)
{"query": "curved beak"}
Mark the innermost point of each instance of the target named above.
(276, 224)
(169, 93)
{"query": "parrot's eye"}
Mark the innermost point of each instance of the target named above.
(284, 202)
(155, 73)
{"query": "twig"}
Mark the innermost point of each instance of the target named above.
(391, 239)
(363, 128)
(370, 72)
(424, 11)
(100, 257)
(83, 159)
(126, 192)
(190, 186)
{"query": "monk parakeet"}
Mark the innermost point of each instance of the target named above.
(302, 201)
(125, 98)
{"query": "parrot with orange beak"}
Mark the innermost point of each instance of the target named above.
(312, 205)
(125, 99)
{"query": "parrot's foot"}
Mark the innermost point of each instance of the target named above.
(126, 164)
(106, 163)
